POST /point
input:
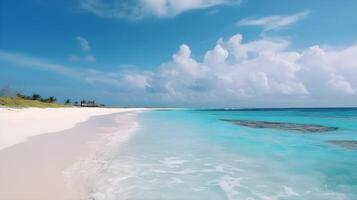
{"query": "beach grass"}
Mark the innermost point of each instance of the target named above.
(23, 103)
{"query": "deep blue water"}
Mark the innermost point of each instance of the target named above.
(193, 154)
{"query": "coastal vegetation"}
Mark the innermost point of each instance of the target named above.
(37, 97)
(9, 98)
(20, 102)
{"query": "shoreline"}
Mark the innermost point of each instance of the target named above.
(62, 164)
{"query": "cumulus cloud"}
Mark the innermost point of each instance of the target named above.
(232, 70)
(233, 73)
(137, 9)
(275, 21)
(262, 71)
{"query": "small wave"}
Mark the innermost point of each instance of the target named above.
(173, 161)
(230, 186)
(183, 172)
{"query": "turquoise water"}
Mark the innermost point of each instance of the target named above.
(193, 154)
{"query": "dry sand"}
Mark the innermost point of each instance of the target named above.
(16, 125)
(38, 167)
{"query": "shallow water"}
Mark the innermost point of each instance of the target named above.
(194, 154)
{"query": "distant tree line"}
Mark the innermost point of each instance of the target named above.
(84, 103)
(37, 97)
(52, 99)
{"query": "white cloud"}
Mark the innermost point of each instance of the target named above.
(86, 49)
(261, 72)
(340, 84)
(84, 43)
(216, 56)
(275, 21)
(137, 9)
(26, 61)
(234, 73)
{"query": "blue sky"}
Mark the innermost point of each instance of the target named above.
(155, 52)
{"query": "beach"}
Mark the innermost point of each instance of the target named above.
(110, 154)
(42, 151)
(178, 100)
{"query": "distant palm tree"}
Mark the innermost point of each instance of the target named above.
(51, 99)
(36, 97)
(67, 101)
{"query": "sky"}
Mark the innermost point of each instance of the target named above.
(182, 53)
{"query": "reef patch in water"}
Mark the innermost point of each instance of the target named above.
(350, 144)
(305, 128)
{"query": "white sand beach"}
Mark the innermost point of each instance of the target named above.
(40, 148)
(17, 125)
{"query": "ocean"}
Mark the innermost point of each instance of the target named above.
(309, 154)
